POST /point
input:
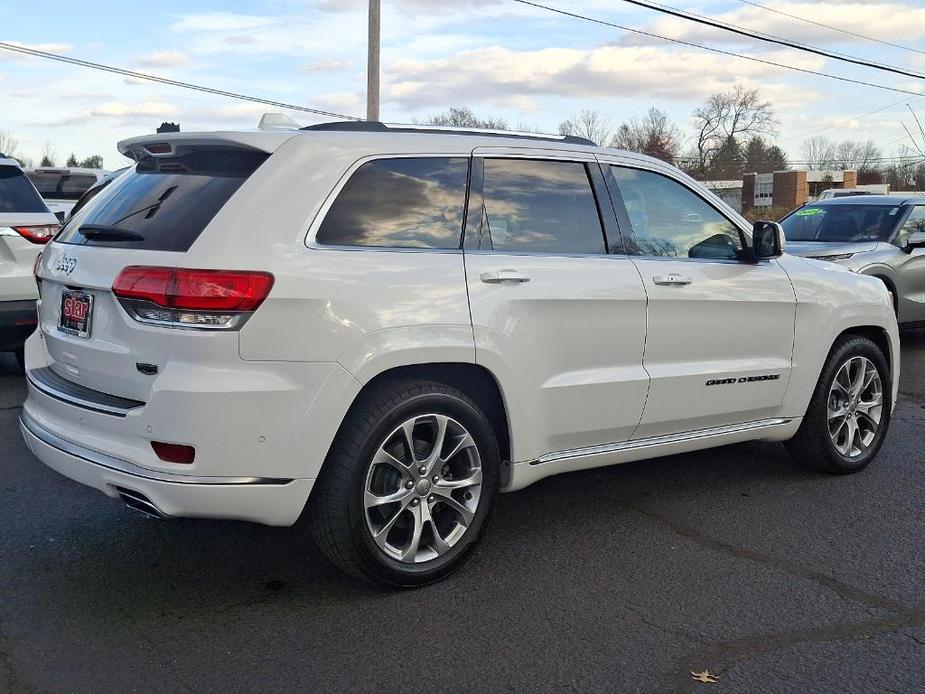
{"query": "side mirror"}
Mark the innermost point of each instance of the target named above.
(767, 241)
(916, 240)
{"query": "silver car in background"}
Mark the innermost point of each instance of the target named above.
(878, 235)
(62, 187)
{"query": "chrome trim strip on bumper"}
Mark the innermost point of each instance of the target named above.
(118, 465)
(659, 440)
(51, 384)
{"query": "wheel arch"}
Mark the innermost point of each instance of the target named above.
(876, 334)
(474, 380)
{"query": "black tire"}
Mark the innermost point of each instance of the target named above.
(337, 515)
(21, 360)
(812, 446)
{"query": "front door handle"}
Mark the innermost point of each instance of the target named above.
(504, 276)
(672, 280)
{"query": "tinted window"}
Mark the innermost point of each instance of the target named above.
(400, 203)
(167, 201)
(841, 223)
(670, 220)
(61, 186)
(16, 193)
(540, 206)
(915, 222)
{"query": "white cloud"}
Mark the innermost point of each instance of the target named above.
(500, 74)
(45, 47)
(164, 59)
(222, 21)
(142, 109)
(326, 66)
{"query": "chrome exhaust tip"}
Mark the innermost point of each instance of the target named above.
(139, 502)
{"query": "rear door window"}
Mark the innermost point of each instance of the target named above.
(61, 186)
(164, 203)
(537, 206)
(414, 202)
(16, 193)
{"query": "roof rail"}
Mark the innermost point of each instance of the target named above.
(363, 126)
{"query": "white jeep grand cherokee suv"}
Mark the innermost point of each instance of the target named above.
(387, 326)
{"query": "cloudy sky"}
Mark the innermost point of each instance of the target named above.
(496, 56)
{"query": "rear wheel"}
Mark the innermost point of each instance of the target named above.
(849, 414)
(408, 486)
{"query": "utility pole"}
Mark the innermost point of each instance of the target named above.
(372, 68)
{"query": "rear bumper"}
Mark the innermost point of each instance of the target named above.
(268, 501)
(17, 321)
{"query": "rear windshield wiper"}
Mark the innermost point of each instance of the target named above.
(108, 233)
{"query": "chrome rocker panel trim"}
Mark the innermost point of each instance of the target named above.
(657, 441)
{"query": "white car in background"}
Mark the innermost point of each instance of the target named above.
(61, 187)
(388, 326)
(25, 226)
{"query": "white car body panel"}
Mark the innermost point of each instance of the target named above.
(595, 364)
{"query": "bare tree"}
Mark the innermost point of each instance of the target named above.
(653, 134)
(591, 125)
(819, 152)
(733, 115)
(863, 157)
(463, 117)
(8, 144)
(48, 155)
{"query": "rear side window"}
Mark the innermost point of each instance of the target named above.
(540, 207)
(164, 203)
(61, 186)
(400, 203)
(16, 193)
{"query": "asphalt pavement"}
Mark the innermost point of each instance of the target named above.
(619, 579)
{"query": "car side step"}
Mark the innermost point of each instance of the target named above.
(139, 502)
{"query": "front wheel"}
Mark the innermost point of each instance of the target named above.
(408, 486)
(849, 413)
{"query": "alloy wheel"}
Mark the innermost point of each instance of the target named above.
(855, 407)
(422, 488)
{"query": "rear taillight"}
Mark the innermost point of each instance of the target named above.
(42, 233)
(191, 298)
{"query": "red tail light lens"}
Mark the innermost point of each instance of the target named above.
(38, 234)
(194, 290)
(174, 452)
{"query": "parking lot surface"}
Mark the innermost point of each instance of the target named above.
(617, 579)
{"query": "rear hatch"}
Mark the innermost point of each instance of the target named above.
(148, 217)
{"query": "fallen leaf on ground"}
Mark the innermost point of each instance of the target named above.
(704, 676)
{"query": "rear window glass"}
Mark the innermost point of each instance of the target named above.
(61, 186)
(16, 193)
(164, 203)
(400, 203)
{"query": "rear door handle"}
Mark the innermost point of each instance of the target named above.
(672, 280)
(504, 276)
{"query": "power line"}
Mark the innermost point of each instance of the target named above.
(828, 26)
(163, 80)
(767, 38)
(721, 51)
